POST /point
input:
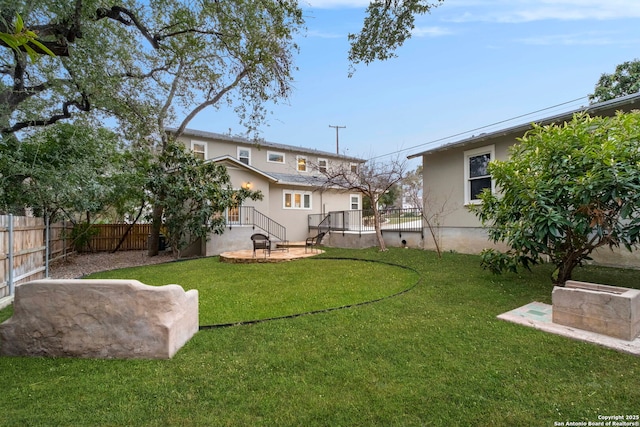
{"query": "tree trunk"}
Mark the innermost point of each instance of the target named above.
(432, 230)
(563, 271)
(88, 216)
(126, 233)
(377, 221)
(156, 223)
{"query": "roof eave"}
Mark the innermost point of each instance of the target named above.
(231, 159)
(613, 104)
(267, 144)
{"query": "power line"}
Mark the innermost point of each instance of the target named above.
(479, 128)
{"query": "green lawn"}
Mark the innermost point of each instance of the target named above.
(232, 293)
(434, 355)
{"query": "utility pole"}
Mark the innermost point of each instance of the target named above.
(337, 128)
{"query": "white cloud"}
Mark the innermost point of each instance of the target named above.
(335, 4)
(430, 32)
(324, 34)
(580, 39)
(513, 11)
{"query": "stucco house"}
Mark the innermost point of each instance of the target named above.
(290, 179)
(455, 173)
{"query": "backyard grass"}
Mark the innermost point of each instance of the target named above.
(435, 355)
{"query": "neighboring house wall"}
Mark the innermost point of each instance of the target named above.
(446, 182)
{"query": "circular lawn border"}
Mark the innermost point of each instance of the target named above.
(325, 310)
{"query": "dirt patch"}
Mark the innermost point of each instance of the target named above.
(77, 266)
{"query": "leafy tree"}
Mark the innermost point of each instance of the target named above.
(122, 55)
(82, 75)
(624, 81)
(387, 25)
(566, 191)
(372, 180)
(71, 171)
(390, 197)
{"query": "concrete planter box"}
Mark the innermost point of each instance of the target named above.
(607, 310)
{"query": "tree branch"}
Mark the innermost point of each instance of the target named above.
(211, 101)
(146, 75)
(160, 37)
(126, 17)
(84, 105)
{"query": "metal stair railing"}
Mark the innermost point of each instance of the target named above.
(255, 218)
(363, 221)
(320, 222)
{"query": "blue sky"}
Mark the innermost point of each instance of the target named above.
(469, 64)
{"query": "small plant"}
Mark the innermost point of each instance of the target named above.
(81, 234)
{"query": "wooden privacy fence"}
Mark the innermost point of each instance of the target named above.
(21, 249)
(105, 237)
(60, 241)
(27, 246)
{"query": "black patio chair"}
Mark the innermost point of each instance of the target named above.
(261, 241)
(313, 242)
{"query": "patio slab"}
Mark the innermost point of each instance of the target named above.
(246, 256)
(539, 316)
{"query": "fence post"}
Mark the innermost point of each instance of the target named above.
(10, 281)
(47, 239)
(64, 239)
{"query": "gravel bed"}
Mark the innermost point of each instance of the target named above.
(77, 266)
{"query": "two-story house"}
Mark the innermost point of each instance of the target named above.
(290, 179)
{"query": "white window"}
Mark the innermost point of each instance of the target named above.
(355, 201)
(275, 157)
(322, 165)
(199, 149)
(476, 175)
(301, 163)
(244, 155)
(353, 167)
(296, 199)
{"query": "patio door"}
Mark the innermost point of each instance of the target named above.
(233, 215)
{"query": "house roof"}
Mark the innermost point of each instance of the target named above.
(268, 145)
(606, 108)
(280, 178)
(301, 179)
(238, 163)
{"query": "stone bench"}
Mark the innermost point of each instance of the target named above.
(105, 319)
(607, 310)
